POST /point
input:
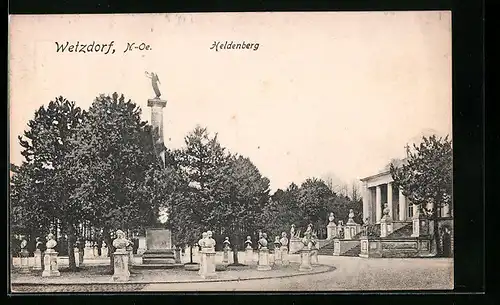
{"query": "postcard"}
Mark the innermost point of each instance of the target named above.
(271, 151)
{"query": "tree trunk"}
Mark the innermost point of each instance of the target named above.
(235, 254)
(436, 234)
(111, 250)
(71, 249)
(191, 253)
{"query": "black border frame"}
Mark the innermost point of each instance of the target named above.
(468, 125)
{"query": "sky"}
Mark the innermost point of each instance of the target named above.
(334, 94)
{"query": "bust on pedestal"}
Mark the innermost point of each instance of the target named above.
(386, 222)
(104, 250)
(208, 256)
(88, 251)
(248, 251)
(263, 264)
(351, 226)
(331, 228)
(201, 245)
(277, 251)
(38, 255)
(420, 224)
(226, 249)
(284, 249)
(121, 257)
(50, 258)
(305, 253)
(24, 256)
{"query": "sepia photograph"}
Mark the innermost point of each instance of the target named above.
(266, 151)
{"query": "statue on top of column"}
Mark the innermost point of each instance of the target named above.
(154, 82)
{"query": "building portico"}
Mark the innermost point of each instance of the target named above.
(378, 190)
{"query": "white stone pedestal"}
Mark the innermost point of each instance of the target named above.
(284, 255)
(277, 256)
(38, 260)
(104, 252)
(305, 260)
(383, 228)
(88, 253)
(248, 256)
(208, 267)
(142, 245)
(77, 257)
(24, 256)
(263, 260)
(331, 230)
(50, 264)
(314, 257)
(225, 256)
(121, 257)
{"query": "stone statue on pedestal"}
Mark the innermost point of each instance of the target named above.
(386, 213)
(50, 260)
(154, 82)
(292, 231)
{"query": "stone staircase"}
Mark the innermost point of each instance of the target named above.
(353, 251)
(404, 231)
(326, 249)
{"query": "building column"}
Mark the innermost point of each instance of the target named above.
(389, 200)
(402, 206)
(366, 203)
(378, 203)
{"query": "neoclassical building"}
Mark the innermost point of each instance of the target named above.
(379, 189)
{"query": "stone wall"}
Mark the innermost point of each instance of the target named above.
(404, 247)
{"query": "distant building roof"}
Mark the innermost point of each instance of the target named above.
(386, 169)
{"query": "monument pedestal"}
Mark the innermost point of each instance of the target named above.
(104, 252)
(159, 248)
(277, 256)
(77, 257)
(314, 257)
(38, 260)
(284, 255)
(305, 260)
(50, 264)
(248, 256)
(24, 256)
(263, 260)
(88, 253)
(142, 245)
(225, 256)
(178, 255)
(121, 273)
(331, 230)
(207, 269)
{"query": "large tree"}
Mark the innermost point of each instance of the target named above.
(426, 176)
(46, 147)
(241, 193)
(116, 168)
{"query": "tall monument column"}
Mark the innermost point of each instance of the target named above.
(157, 105)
